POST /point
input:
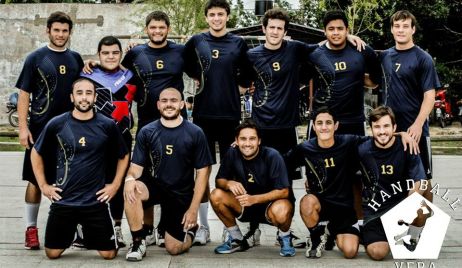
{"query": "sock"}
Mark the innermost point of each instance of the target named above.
(138, 235)
(203, 214)
(31, 214)
(282, 234)
(235, 232)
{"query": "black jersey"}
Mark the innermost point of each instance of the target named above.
(220, 63)
(347, 93)
(327, 169)
(408, 74)
(260, 175)
(384, 171)
(155, 69)
(48, 76)
(116, 92)
(172, 154)
(81, 151)
(277, 82)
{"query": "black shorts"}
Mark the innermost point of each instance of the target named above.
(96, 221)
(373, 232)
(217, 130)
(152, 189)
(256, 213)
(426, 156)
(342, 219)
(27, 172)
(172, 205)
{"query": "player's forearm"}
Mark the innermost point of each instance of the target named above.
(38, 168)
(272, 196)
(426, 107)
(134, 172)
(222, 184)
(202, 178)
(122, 165)
(23, 108)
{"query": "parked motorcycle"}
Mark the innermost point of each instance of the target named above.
(12, 109)
(442, 107)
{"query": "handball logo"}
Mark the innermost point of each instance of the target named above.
(415, 228)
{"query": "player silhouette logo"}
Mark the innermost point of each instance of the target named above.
(415, 227)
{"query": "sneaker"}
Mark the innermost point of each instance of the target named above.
(78, 242)
(119, 236)
(330, 242)
(137, 251)
(295, 238)
(202, 236)
(317, 242)
(232, 245)
(287, 249)
(32, 240)
(253, 237)
(224, 235)
(160, 240)
(150, 238)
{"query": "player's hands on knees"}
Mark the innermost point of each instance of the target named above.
(189, 219)
(25, 137)
(246, 200)
(409, 142)
(130, 190)
(51, 192)
(357, 42)
(415, 131)
(107, 193)
(89, 65)
(236, 188)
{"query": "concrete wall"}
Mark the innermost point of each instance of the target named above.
(24, 28)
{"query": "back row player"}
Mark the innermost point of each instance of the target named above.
(45, 83)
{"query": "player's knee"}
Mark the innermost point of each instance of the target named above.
(53, 254)
(280, 211)
(108, 255)
(350, 252)
(376, 253)
(173, 249)
(308, 205)
(217, 196)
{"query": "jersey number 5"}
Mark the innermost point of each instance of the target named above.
(169, 149)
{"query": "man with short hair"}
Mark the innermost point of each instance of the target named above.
(217, 59)
(116, 92)
(252, 185)
(44, 85)
(409, 83)
(384, 164)
(80, 147)
(170, 149)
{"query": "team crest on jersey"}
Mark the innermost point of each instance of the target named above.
(415, 228)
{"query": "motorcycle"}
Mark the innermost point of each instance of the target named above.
(12, 109)
(442, 107)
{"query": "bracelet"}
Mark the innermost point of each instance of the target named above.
(130, 179)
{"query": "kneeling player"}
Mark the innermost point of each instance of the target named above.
(252, 185)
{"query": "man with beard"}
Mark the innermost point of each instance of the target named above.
(86, 145)
(45, 84)
(115, 95)
(384, 164)
(215, 58)
(252, 185)
(170, 149)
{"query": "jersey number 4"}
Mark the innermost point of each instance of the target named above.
(82, 141)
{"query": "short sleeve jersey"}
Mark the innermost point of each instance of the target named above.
(329, 169)
(347, 93)
(220, 60)
(83, 151)
(172, 154)
(408, 74)
(48, 76)
(277, 94)
(262, 174)
(383, 168)
(155, 69)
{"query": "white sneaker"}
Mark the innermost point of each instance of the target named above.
(151, 239)
(225, 235)
(160, 240)
(119, 236)
(253, 239)
(137, 251)
(202, 236)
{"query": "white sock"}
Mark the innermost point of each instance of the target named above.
(235, 232)
(31, 213)
(282, 234)
(203, 214)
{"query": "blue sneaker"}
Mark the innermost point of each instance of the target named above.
(287, 249)
(232, 245)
